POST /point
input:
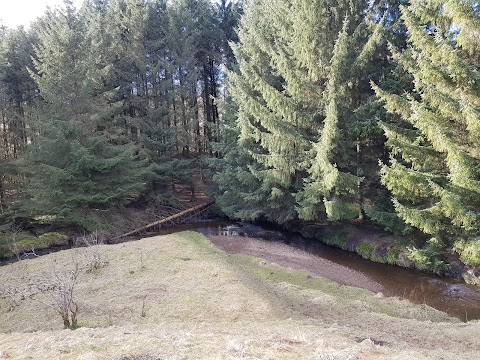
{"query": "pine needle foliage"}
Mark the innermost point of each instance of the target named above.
(74, 170)
(240, 194)
(434, 170)
(301, 87)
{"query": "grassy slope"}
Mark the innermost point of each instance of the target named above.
(201, 303)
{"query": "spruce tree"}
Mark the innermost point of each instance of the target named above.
(240, 193)
(341, 168)
(17, 93)
(434, 170)
(227, 13)
(302, 85)
(75, 171)
(266, 122)
(157, 130)
(17, 88)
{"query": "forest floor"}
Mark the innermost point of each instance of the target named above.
(181, 297)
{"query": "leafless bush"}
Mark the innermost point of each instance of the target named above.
(12, 292)
(54, 289)
(19, 249)
(13, 244)
(59, 285)
(95, 257)
(91, 239)
(13, 295)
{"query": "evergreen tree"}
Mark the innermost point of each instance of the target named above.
(17, 93)
(117, 32)
(184, 74)
(240, 194)
(302, 86)
(18, 89)
(393, 78)
(157, 131)
(75, 171)
(341, 169)
(267, 124)
(434, 171)
(195, 44)
(228, 15)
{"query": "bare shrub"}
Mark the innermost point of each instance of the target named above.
(54, 289)
(13, 295)
(13, 290)
(91, 239)
(59, 285)
(95, 257)
(13, 246)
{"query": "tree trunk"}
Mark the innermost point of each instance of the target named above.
(361, 211)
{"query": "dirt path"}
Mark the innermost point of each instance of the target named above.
(294, 258)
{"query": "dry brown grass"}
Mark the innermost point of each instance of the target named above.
(179, 297)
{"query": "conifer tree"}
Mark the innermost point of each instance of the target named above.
(272, 140)
(434, 170)
(303, 79)
(227, 13)
(157, 131)
(184, 74)
(240, 194)
(75, 172)
(195, 56)
(17, 93)
(340, 167)
(118, 32)
(18, 88)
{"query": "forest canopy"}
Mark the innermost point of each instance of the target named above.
(103, 104)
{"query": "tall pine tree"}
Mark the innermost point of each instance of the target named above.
(302, 85)
(17, 94)
(434, 171)
(74, 171)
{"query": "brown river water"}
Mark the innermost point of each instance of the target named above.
(449, 295)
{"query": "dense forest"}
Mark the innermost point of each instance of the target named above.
(305, 112)
(104, 106)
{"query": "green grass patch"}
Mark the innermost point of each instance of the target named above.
(366, 250)
(25, 241)
(267, 274)
(335, 237)
(393, 255)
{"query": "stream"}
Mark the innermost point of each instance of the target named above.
(449, 295)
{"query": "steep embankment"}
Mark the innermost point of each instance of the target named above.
(178, 296)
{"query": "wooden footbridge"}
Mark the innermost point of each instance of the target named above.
(194, 212)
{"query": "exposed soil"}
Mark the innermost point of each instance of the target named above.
(290, 257)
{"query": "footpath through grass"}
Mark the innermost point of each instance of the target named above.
(179, 297)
